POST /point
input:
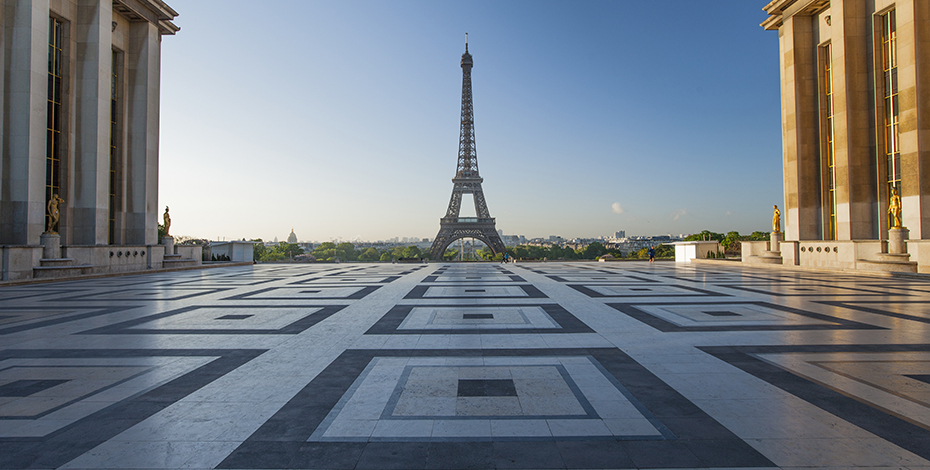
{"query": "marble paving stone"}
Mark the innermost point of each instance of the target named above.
(551, 365)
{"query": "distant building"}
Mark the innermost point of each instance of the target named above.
(292, 238)
(620, 234)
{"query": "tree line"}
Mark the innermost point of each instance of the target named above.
(346, 251)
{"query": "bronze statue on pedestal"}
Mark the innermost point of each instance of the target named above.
(894, 209)
(776, 220)
(167, 223)
(53, 213)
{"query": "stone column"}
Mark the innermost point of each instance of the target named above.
(913, 52)
(90, 184)
(855, 185)
(25, 50)
(800, 132)
(168, 241)
(142, 94)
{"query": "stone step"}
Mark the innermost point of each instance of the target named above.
(51, 262)
(177, 263)
(172, 257)
(887, 266)
(53, 272)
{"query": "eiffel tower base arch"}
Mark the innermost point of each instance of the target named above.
(452, 231)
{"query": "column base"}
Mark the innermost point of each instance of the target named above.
(51, 245)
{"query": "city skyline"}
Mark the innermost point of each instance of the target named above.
(340, 120)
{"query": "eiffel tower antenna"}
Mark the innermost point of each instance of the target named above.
(466, 181)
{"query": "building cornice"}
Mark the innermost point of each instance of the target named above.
(779, 10)
(156, 12)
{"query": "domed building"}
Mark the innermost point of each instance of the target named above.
(292, 238)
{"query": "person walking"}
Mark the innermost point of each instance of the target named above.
(652, 254)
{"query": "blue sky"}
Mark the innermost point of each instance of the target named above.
(341, 119)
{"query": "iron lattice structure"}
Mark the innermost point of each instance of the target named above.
(466, 181)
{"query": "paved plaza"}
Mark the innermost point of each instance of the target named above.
(448, 366)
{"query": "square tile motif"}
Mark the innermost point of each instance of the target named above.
(141, 294)
(308, 293)
(732, 316)
(347, 279)
(876, 387)
(811, 289)
(201, 320)
(368, 398)
(601, 278)
(661, 290)
(524, 291)
(486, 388)
(17, 319)
(463, 279)
(571, 396)
(82, 398)
(24, 388)
(918, 311)
(478, 319)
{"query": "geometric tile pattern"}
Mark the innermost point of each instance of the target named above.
(478, 319)
(467, 365)
(641, 290)
(733, 316)
(225, 319)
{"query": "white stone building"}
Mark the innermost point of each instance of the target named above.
(80, 103)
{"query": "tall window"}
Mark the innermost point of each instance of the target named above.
(114, 134)
(827, 152)
(890, 93)
(53, 127)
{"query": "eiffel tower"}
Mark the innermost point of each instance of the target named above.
(466, 181)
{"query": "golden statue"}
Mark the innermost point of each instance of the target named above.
(53, 213)
(776, 220)
(894, 209)
(167, 224)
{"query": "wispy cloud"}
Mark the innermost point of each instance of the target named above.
(729, 213)
(617, 208)
(678, 214)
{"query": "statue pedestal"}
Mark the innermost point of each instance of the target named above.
(897, 259)
(775, 242)
(896, 240)
(168, 241)
(773, 254)
(51, 245)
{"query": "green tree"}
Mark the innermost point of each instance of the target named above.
(258, 249)
(485, 254)
(705, 235)
(594, 250)
(287, 250)
(758, 236)
(665, 251)
(386, 256)
(272, 255)
(371, 254)
(346, 252)
(450, 254)
(411, 251)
